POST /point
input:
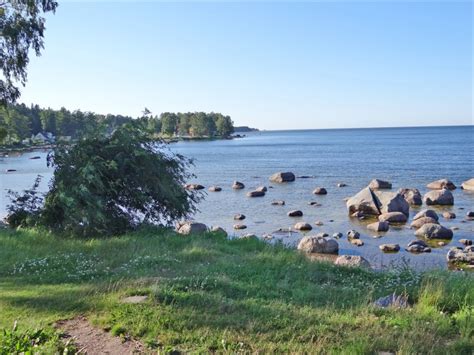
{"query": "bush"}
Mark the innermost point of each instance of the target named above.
(105, 185)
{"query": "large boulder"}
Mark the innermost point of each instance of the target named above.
(434, 231)
(460, 256)
(369, 202)
(439, 197)
(426, 213)
(190, 227)
(282, 177)
(412, 196)
(468, 185)
(418, 223)
(393, 217)
(352, 261)
(365, 202)
(441, 184)
(378, 226)
(377, 184)
(318, 244)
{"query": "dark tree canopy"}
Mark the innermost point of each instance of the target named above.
(22, 28)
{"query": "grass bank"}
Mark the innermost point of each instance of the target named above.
(207, 293)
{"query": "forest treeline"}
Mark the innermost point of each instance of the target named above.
(19, 122)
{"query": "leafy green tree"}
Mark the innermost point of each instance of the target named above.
(22, 28)
(48, 120)
(224, 126)
(169, 122)
(3, 133)
(110, 184)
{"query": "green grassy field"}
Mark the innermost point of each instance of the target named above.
(209, 294)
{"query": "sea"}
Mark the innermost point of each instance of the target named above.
(407, 157)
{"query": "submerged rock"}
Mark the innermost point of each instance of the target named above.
(352, 261)
(278, 203)
(378, 226)
(281, 177)
(341, 184)
(439, 197)
(377, 184)
(318, 244)
(426, 213)
(449, 215)
(412, 196)
(434, 231)
(319, 223)
(441, 184)
(468, 185)
(239, 217)
(190, 227)
(240, 226)
(237, 185)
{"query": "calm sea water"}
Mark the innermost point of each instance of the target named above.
(408, 157)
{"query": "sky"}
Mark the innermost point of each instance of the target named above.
(270, 65)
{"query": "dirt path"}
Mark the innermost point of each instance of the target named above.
(91, 341)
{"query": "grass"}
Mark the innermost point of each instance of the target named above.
(209, 294)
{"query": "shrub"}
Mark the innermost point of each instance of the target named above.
(109, 184)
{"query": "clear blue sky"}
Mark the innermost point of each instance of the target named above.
(269, 65)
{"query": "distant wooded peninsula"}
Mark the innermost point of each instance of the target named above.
(24, 125)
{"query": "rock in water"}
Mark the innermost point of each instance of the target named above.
(412, 196)
(194, 187)
(377, 184)
(220, 230)
(434, 231)
(449, 215)
(237, 185)
(426, 213)
(368, 202)
(389, 248)
(320, 191)
(302, 226)
(460, 256)
(441, 184)
(240, 226)
(261, 189)
(352, 234)
(281, 177)
(365, 202)
(352, 261)
(357, 242)
(468, 185)
(190, 227)
(215, 189)
(417, 223)
(439, 197)
(278, 203)
(378, 226)
(295, 213)
(239, 217)
(393, 217)
(318, 244)
(465, 242)
(255, 193)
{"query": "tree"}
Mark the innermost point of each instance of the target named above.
(119, 181)
(48, 120)
(169, 122)
(224, 126)
(22, 28)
